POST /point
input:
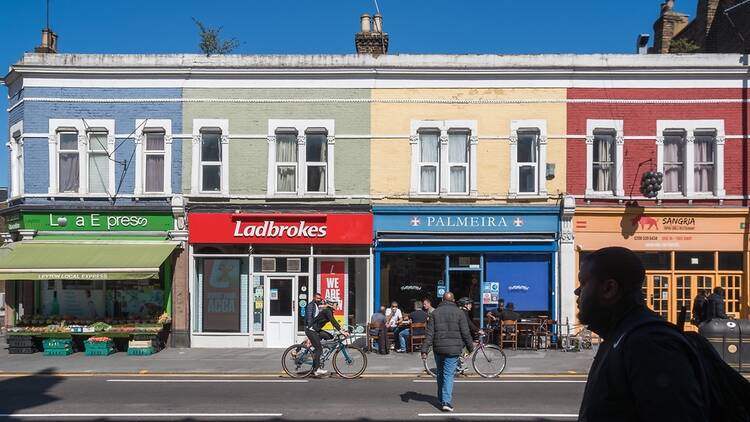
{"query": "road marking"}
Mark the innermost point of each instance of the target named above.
(171, 381)
(499, 415)
(140, 415)
(512, 381)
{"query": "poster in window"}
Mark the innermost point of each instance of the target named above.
(333, 283)
(523, 280)
(221, 293)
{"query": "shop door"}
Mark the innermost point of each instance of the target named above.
(657, 293)
(281, 312)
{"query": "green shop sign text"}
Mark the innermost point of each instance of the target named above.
(99, 221)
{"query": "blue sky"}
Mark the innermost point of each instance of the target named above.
(326, 26)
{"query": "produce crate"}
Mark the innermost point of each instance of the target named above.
(57, 347)
(58, 352)
(99, 348)
(22, 350)
(140, 351)
(21, 341)
(140, 344)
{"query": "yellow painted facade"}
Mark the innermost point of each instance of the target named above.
(391, 125)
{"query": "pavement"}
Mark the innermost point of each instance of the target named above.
(113, 398)
(266, 362)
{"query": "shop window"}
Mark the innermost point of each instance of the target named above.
(443, 157)
(731, 261)
(330, 273)
(210, 160)
(409, 277)
(301, 157)
(258, 304)
(656, 260)
(68, 161)
(694, 260)
(154, 151)
(674, 161)
(464, 261)
(221, 295)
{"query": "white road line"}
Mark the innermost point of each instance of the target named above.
(513, 381)
(140, 415)
(499, 415)
(208, 381)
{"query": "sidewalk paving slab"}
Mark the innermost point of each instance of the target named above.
(259, 361)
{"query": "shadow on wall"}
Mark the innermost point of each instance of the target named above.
(632, 218)
(20, 393)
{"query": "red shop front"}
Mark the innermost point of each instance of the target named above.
(253, 274)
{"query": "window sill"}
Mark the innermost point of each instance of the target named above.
(681, 196)
(527, 196)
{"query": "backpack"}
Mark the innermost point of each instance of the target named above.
(728, 392)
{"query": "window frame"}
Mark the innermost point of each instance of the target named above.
(143, 127)
(196, 181)
(302, 128)
(286, 164)
(540, 179)
(443, 170)
(83, 127)
(15, 146)
(464, 164)
(422, 164)
(690, 127)
(592, 126)
(91, 152)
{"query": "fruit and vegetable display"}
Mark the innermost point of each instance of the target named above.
(40, 325)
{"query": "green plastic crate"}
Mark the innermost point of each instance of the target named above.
(57, 343)
(140, 351)
(100, 348)
(58, 352)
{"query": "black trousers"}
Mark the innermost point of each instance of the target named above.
(315, 338)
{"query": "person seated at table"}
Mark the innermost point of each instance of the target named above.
(393, 318)
(418, 316)
(493, 316)
(378, 319)
(509, 314)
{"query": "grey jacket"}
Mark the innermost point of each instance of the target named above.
(447, 331)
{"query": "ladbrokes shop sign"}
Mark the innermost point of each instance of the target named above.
(295, 228)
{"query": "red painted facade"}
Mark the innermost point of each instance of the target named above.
(640, 120)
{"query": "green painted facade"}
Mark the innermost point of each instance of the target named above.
(248, 158)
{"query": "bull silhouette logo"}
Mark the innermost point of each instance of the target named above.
(646, 223)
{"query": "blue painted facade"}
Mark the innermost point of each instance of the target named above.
(496, 242)
(36, 116)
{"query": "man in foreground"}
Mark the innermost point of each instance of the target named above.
(643, 371)
(447, 334)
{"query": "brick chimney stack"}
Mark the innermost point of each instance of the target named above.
(49, 42)
(669, 24)
(371, 39)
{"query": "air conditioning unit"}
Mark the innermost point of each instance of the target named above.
(268, 265)
(294, 265)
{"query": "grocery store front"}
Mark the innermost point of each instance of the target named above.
(253, 273)
(685, 250)
(80, 268)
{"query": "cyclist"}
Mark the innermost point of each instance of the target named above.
(316, 333)
(465, 304)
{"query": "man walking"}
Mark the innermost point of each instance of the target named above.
(447, 334)
(644, 370)
(699, 307)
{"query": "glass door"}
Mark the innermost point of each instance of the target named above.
(281, 312)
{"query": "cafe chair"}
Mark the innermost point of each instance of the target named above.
(372, 338)
(509, 333)
(543, 334)
(416, 340)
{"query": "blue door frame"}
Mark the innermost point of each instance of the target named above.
(550, 247)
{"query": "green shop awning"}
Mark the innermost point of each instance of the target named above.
(37, 260)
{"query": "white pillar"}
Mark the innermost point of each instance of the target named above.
(689, 178)
(567, 282)
(589, 164)
(330, 168)
(619, 158)
(414, 144)
(542, 166)
(719, 160)
(443, 168)
(473, 188)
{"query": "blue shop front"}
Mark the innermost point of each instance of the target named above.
(484, 253)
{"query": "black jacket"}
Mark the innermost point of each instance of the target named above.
(447, 331)
(310, 311)
(324, 317)
(473, 329)
(715, 307)
(650, 374)
(699, 308)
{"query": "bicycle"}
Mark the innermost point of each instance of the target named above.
(487, 360)
(348, 361)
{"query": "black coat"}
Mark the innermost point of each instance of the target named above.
(699, 309)
(447, 331)
(715, 307)
(650, 374)
(310, 310)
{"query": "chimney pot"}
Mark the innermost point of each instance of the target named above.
(378, 23)
(49, 42)
(365, 20)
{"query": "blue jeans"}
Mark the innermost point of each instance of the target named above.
(402, 336)
(446, 370)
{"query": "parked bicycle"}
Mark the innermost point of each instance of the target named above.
(348, 361)
(487, 360)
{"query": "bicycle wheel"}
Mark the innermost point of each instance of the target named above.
(349, 362)
(298, 366)
(488, 361)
